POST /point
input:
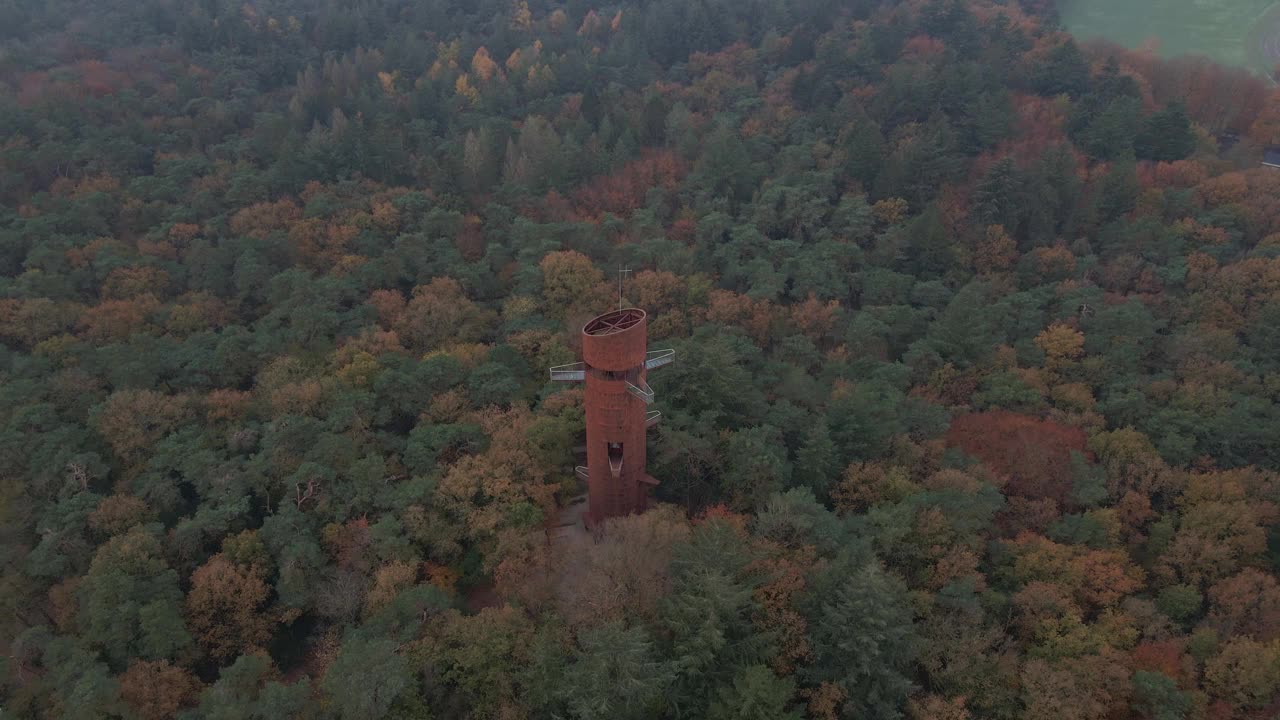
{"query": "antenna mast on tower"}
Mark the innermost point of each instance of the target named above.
(621, 272)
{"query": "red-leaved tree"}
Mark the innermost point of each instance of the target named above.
(1034, 454)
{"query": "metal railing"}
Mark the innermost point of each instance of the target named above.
(642, 390)
(572, 372)
(652, 418)
(582, 472)
(658, 358)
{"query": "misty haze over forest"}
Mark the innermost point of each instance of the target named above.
(972, 415)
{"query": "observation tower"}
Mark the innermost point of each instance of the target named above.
(616, 362)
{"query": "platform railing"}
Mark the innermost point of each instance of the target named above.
(641, 389)
(572, 372)
(658, 358)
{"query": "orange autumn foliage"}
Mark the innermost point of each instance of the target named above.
(134, 282)
(626, 189)
(259, 220)
(132, 420)
(754, 316)
(157, 690)
(117, 320)
(225, 608)
(815, 319)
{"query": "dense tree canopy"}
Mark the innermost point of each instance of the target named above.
(975, 411)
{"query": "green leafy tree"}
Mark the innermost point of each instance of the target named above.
(796, 520)
(367, 677)
(130, 604)
(1157, 696)
(863, 421)
(755, 466)
(250, 688)
(481, 658)
(1181, 603)
(83, 687)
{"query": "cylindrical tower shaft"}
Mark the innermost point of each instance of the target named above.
(614, 349)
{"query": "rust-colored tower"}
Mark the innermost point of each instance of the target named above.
(615, 364)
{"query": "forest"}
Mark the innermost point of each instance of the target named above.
(975, 413)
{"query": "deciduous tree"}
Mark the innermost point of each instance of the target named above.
(225, 608)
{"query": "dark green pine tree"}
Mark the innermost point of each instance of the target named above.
(1064, 70)
(1054, 193)
(708, 616)
(930, 249)
(755, 466)
(1105, 121)
(617, 676)
(969, 326)
(1166, 135)
(863, 638)
(1000, 197)
(1110, 132)
(864, 149)
(756, 694)
(817, 466)
(1263, 335)
(725, 166)
(1118, 193)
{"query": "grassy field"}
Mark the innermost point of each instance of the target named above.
(1229, 31)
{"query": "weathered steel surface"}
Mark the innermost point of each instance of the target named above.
(613, 371)
(614, 350)
(615, 341)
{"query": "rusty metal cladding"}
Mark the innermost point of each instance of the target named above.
(616, 340)
(617, 395)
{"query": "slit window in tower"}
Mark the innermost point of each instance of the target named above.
(615, 458)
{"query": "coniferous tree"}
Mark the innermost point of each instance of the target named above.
(1064, 70)
(816, 467)
(999, 198)
(863, 640)
(617, 674)
(756, 694)
(1166, 135)
(709, 617)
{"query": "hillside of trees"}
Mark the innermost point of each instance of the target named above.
(975, 413)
